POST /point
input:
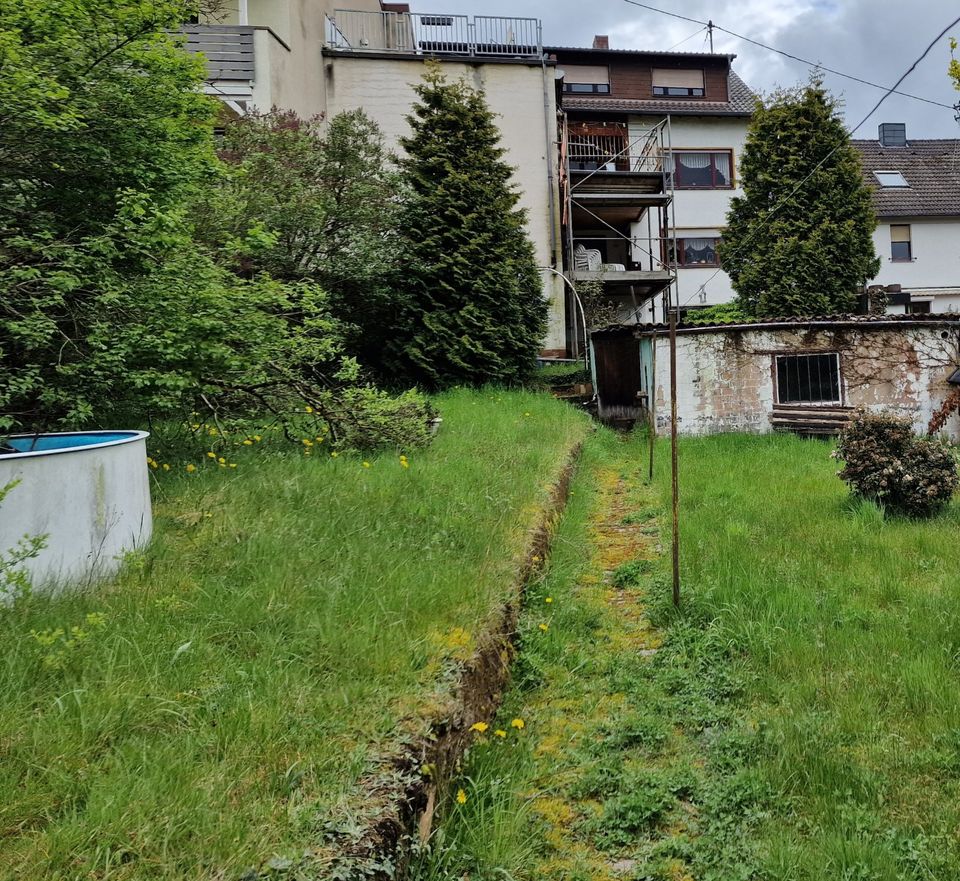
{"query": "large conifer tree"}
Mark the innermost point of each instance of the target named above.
(813, 254)
(472, 309)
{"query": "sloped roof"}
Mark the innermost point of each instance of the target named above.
(740, 104)
(931, 169)
(817, 321)
(643, 53)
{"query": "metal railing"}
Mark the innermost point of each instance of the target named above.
(616, 153)
(423, 34)
(228, 50)
(615, 252)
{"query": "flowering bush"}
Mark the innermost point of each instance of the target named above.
(886, 462)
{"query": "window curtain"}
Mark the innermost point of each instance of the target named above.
(699, 251)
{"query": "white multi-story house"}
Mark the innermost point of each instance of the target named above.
(628, 116)
(916, 196)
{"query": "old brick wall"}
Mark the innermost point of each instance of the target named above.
(726, 380)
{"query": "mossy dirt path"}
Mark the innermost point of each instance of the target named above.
(603, 779)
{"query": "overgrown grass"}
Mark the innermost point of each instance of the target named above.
(799, 719)
(224, 696)
(843, 631)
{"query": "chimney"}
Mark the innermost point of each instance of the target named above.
(601, 41)
(893, 134)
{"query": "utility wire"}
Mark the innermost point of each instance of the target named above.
(685, 39)
(823, 161)
(809, 63)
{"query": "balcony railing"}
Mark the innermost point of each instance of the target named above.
(228, 50)
(615, 152)
(421, 34)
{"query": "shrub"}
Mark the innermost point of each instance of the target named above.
(886, 462)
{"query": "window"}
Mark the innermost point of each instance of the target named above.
(890, 179)
(678, 83)
(919, 307)
(901, 249)
(808, 379)
(708, 171)
(701, 251)
(586, 79)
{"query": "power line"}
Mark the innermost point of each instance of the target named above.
(823, 161)
(806, 61)
(685, 39)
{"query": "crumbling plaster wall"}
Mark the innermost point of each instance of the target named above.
(726, 381)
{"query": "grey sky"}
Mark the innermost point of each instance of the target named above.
(873, 39)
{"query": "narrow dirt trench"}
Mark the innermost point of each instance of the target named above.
(582, 774)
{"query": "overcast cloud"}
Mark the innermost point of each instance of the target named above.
(873, 39)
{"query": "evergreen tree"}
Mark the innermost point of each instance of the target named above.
(812, 254)
(472, 308)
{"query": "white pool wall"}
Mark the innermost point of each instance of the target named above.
(91, 502)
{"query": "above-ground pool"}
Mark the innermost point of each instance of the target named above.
(87, 492)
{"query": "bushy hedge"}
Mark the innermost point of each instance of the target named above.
(886, 462)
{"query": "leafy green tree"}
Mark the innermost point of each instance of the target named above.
(472, 309)
(103, 128)
(301, 202)
(798, 242)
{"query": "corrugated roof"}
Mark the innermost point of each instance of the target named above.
(805, 323)
(932, 171)
(741, 103)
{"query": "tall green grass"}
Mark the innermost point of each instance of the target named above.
(843, 629)
(227, 694)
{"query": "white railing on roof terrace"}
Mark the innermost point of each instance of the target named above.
(423, 34)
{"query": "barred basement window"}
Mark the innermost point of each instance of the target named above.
(808, 379)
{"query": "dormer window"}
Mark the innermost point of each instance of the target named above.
(890, 179)
(678, 83)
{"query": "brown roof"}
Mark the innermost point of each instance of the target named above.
(741, 103)
(931, 168)
(640, 53)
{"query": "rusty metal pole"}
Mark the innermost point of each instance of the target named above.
(651, 403)
(673, 457)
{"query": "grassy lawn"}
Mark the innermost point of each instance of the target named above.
(223, 697)
(798, 720)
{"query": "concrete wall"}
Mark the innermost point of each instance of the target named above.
(383, 87)
(726, 380)
(934, 272)
(93, 504)
(702, 212)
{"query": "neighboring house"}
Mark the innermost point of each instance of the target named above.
(916, 195)
(266, 53)
(311, 57)
(765, 375)
(626, 114)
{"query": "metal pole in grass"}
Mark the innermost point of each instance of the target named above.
(673, 458)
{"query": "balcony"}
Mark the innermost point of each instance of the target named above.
(410, 33)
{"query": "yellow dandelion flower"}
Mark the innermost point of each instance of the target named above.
(519, 724)
(307, 442)
(191, 468)
(535, 558)
(366, 464)
(319, 440)
(195, 426)
(211, 455)
(308, 409)
(334, 454)
(404, 463)
(257, 438)
(222, 461)
(500, 733)
(153, 465)
(461, 797)
(479, 727)
(166, 467)
(526, 414)
(544, 627)
(248, 443)
(233, 464)
(548, 600)
(212, 432)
